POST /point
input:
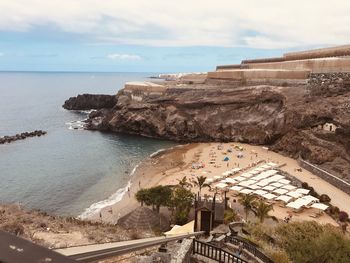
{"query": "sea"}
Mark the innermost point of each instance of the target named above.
(68, 172)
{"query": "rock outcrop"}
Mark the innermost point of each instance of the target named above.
(90, 101)
(293, 120)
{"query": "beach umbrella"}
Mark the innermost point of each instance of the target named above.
(269, 196)
(302, 191)
(284, 198)
(288, 187)
(226, 159)
(246, 191)
(280, 191)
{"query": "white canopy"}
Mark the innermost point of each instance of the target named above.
(235, 170)
(240, 178)
(229, 181)
(284, 181)
(269, 196)
(294, 205)
(280, 191)
(288, 187)
(216, 177)
(277, 184)
(236, 188)
(260, 192)
(319, 206)
(277, 177)
(272, 164)
(226, 173)
(246, 191)
(268, 188)
(246, 175)
(209, 180)
(221, 185)
(294, 194)
(262, 183)
(284, 198)
(254, 186)
(311, 198)
(302, 191)
(247, 183)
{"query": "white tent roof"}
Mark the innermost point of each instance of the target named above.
(209, 180)
(254, 186)
(319, 206)
(265, 166)
(272, 164)
(277, 177)
(236, 188)
(260, 192)
(246, 175)
(302, 191)
(262, 183)
(284, 181)
(221, 185)
(294, 194)
(229, 181)
(262, 176)
(247, 183)
(240, 178)
(288, 187)
(246, 191)
(277, 184)
(294, 205)
(226, 173)
(235, 170)
(284, 198)
(217, 177)
(280, 191)
(254, 171)
(269, 196)
(269, 188)
(311, 198)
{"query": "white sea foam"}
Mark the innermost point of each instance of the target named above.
(98, 206)
(157, 152)
(76, 125)
(85, 111)
(134, 170)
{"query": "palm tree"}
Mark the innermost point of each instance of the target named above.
(261, 210)
(184, 183)
(200, 183)
(248, 202)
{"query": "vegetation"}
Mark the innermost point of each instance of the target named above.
(155, 196)
(200, 183)
(178, 199)
(247, 201)
(229, 216)
(261, 210)
(184, 183)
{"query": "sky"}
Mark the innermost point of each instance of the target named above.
(161, 35)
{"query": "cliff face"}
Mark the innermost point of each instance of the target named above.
(293, 120)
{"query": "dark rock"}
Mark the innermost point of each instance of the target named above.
(90, 101)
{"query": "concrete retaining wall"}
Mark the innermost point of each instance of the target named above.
(330, 178)
(259, 74)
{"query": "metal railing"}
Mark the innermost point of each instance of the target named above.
(215, 253)
(248, 246)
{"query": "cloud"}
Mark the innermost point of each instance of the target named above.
(123, 57)
(224, 23)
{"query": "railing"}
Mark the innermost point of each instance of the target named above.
(215, 253)
(247, 245)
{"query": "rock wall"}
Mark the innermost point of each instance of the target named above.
(328, 84)
(21, 136)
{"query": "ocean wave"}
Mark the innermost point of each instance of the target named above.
(134, 170)
(98, 206)
(157, 152)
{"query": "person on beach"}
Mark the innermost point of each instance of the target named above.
(129, 191)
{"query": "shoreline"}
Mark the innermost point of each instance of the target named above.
(168, 166)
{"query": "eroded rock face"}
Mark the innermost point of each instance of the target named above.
(90, 101)
(289, 119)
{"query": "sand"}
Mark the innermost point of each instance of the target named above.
(170, 166)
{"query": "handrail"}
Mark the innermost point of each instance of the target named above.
(249, 246)
(92, 253)
(215, 253)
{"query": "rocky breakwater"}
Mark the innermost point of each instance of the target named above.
(21, 136)
(289, 119)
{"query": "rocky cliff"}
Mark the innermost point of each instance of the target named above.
(294, 120)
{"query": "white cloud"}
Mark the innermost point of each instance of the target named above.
(249, 23)
(123, 57)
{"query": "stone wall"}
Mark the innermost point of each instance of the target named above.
(330, 178)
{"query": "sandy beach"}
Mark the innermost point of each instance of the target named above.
(167, 167)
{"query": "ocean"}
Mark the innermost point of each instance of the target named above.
(66, 172)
